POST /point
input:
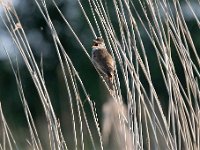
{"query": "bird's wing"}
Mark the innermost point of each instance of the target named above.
(104, 62)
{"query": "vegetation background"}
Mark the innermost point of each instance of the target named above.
(42, 45)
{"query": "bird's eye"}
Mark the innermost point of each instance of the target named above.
(96, 44)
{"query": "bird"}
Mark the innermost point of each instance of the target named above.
(103, 60)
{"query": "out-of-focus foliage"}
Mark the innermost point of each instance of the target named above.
(43, 47)
(41, 42)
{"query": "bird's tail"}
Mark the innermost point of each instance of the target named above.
(109, 81)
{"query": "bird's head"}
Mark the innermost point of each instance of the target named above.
(98, 43)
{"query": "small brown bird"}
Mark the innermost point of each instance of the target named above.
(103, 60)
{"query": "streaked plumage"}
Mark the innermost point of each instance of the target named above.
(103, 60)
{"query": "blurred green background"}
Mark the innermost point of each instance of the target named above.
(41, 42)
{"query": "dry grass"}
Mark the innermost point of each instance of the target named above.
(141, 124)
